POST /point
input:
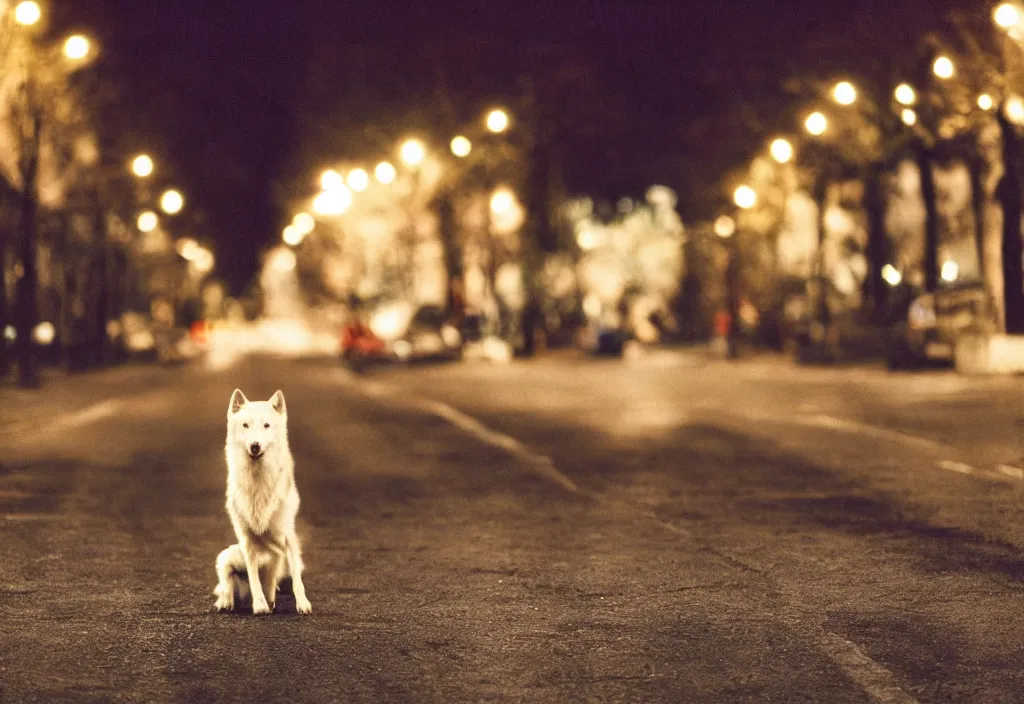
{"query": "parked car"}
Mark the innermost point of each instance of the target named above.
(401, 331)
(925, 330)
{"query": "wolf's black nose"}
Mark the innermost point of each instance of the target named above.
(254, 448)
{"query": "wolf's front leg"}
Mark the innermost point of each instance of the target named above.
(294, 553)
(259, 599)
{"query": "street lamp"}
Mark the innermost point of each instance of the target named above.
(497, 121)
(943, 67)
(905, 95)
(292, 236)
(816, 124)
(142, 166)
(1015, 109)
(844, 93)
(502, 201)
(148, 221)
(333, 202)
(781, 150)
(412, 152)
(461, 146)
(1007, 15)
(892, 275)
(385, 172)
(76, 47)
(331, 179)
(745, 197)
(725, 226)
(909, 117)
(171, 202)
(304, 223)
(27, 13)
(358, 180)
(985, 102)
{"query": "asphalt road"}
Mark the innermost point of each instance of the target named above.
(664, 530)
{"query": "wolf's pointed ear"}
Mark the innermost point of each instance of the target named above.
(238, 400)
(277, 402)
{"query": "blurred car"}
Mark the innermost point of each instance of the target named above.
(924, 328)
(401, 331)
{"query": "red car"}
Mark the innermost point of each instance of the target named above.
(359, 344)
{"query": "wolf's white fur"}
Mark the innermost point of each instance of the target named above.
(262, 502)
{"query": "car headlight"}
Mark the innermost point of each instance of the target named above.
(922, 314)
(451, 336)
(387, 324)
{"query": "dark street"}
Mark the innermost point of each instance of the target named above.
(627, 532)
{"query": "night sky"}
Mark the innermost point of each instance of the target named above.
(220, 92)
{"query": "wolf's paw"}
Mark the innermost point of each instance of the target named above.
(260, 607)
(303, 606)
(224, 602)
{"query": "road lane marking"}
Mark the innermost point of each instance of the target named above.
(1015, 472)
(960, 467)
(95, 412)
(541, 464)
(877, 681)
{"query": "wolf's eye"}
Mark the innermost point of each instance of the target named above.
(266, 425)
(245, 425)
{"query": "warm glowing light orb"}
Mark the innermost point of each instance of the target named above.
(304, 223)
(985, 101)
(148, 221)
(333, 202)
(905, 94)
(292, 236)
(76, 47)
(745, 197)
(502, 201)
(781, 150)
(497, 120)
(27, 13)
(1007, 15)
(943, 67)
(331, 179)
(171, 202)
(725, 226)
(816, 124)
(412, 152)
(358, 180)
(891, 275)
(385, 172)
(844, 93)
(909, 117)
(461, 146)
(142, 165)
(950, 271)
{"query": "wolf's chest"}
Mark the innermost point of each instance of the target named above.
(257, 504)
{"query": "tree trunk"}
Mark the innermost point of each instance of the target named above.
(878, 241)
(923, 157)
(5, 361)
(27, 313)
(1009, 195)
(103, 274)
(732, 295)
(976, 171)
(823, 314)
(447, 226)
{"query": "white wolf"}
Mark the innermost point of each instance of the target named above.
(262, 503)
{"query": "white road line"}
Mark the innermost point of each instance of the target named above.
(1015, 472)
(874, 679)
(879, 683)
(960, 467)
(95, 412)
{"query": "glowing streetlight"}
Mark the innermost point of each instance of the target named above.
(725, 226)
(292, 236)
(412, 152)
(503, 201)
(187, 248)
(909, 117)
(1007, 15)
(385, 172)
(905, 94)
(44, 332)
(950, 271)
(142, 166)
(781, 150)
(333, 202)
(358, 180)
(985, 102)
(76, 47)
(943, 67)
(745, 197)
(171, 202)
(816, 124)
(203, 263)
(330, 180)
(844, 93)
(147, 221)
(27, 13)
(891, 275)
(1015, 109)
(497, 121)
(461, 146)
(304, 223)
